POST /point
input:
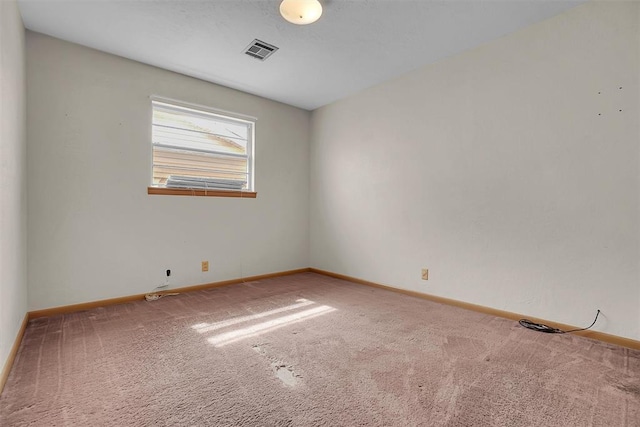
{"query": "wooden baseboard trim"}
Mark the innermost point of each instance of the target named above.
(65, 309)
(138, 297)
(600, 336)
(13, 353)
(243, 280)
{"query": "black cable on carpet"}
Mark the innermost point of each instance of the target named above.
(548, 329)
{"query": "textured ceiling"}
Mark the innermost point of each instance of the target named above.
(354, 45)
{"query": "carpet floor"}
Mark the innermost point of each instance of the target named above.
(309, 350)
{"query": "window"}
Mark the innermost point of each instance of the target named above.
(200, 152)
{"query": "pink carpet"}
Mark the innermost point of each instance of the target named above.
(309, 350)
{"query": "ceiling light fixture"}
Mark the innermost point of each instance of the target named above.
(301, 12)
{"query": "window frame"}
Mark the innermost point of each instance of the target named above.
(224, 115)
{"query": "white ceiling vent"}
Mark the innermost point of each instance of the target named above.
(260, 50)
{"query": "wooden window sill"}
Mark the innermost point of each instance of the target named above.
(202, 193)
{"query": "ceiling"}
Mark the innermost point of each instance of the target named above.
(355, 44)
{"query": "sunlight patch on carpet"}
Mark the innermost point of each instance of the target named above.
(270, 325)
(208, 327)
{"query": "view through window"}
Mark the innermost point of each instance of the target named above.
(198, 149)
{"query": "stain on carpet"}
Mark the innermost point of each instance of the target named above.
(286, 374)
(282, 371)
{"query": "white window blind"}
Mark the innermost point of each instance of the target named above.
(198, 149)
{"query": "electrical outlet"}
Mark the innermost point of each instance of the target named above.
(205, 265)
(425, 274)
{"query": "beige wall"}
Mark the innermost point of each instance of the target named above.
(94, 233)
(495, 170)
(13, 182)
(492, 168)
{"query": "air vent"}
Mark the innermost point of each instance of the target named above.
(260, 50)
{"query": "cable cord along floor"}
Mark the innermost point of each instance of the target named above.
(540, 327)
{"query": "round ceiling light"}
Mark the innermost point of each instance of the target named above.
(301, 12)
